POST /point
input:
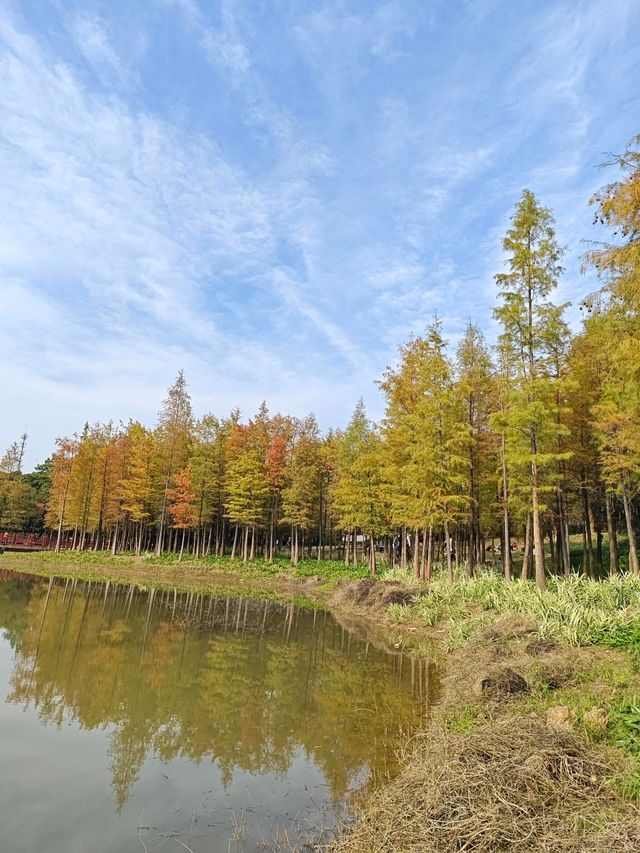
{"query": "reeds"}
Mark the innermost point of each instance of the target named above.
(574, 609)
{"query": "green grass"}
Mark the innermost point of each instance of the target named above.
(624, 726)
(215, 575)
(575, 610)
(325, 569)
(463, 718)
(624, 733)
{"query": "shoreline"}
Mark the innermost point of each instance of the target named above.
(186, 576)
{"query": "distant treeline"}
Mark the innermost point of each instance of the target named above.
(537, 438)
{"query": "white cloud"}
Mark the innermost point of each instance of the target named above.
(90, 36)
(355, 174)
(125, 234)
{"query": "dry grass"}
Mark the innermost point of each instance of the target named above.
(507, 659)
(371, 594)
(511, 785)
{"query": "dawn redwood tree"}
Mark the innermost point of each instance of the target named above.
(407, 491)
(182, 503)
(173, 438)
(247, 490)
(357, 491)
(301, 484)
(476, 388)
(205, 468)
(62, 462)
(424, 447)
(525, 314)
(276, 466)
(136, 485)
(616, 318)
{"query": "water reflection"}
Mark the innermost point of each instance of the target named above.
(267, 691)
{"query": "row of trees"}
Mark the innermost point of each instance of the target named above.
(23, 497)
(536, 439)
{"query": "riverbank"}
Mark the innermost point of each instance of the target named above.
(312, 581)
(534, 741)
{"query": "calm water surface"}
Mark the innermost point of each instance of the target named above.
(131, 720)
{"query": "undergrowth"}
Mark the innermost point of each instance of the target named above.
(576, 610)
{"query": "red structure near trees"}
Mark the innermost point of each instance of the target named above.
(31, 542)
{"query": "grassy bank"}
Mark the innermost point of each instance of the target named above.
(311, 579)
(534, 744)
(574, 610)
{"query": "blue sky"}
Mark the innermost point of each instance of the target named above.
(273, 196)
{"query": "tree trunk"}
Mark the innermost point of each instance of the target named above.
(253, 542)
(245, 543)
(235, 543)
(429, 566)
(587, 557)
(565, 538)
(448, 547)
(526, 558)
(271, 535)
(114, 543)
(552, 550)
(506, 554)
(634, 568)
(538, 543)
(599, 563)
(613, 536)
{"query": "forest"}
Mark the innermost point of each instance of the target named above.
(529, 446)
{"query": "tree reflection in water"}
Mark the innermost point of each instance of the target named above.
(247, 683)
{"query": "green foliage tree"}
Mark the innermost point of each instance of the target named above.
(528, 324)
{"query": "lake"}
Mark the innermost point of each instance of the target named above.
(147, 720)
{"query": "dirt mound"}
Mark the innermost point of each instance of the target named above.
(513, 785)
(501, 683)
(506, 659)
(371, 594)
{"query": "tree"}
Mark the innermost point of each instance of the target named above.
(246, 486)
(476, 387)
(616, 324)
(17, 495)
(357, 490)
(40, 481)
(182, 504)
(62, 465)
(526, 314)
(173, 435)
(136, 485)
(425, 437)
(618, 208)
(276, 470)
(11, 461)
(302, 478)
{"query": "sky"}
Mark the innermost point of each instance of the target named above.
(274, 195)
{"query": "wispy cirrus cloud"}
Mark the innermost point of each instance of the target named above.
(92, 41)
(274, 198)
